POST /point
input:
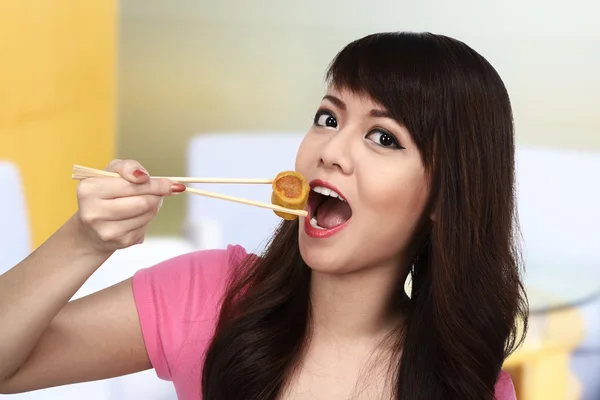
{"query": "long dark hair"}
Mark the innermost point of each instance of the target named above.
(467, 296)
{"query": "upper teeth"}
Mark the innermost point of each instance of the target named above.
(327, 192)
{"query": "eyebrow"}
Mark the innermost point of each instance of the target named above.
(378, 113)
(375, 113)
(339, 103)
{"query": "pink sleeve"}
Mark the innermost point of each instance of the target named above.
(178, 303)
(505, 390)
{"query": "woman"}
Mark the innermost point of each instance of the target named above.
(411, 164)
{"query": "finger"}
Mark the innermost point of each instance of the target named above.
(155, 187)
(116, 231)
(130, 170)
(134, 224)
(112, 188)
(113, 165)
(120, 209)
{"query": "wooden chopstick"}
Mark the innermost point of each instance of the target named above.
(300, 213)
(80, 173)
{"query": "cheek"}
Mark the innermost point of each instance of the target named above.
(304, 155)
(395, 210)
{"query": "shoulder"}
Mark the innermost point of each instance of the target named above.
(192, 271)
(178, 303)
(505, 389)
(207, 263)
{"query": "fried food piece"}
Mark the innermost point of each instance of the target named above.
(290, 190)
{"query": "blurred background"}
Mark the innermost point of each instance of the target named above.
(206, 88)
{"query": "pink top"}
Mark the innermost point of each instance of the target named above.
(178, 304)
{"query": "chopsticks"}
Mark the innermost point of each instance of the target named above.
(80, 172)
(270, 206)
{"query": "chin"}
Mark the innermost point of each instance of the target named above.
(331, 259)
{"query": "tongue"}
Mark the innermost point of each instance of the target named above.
(333, 212)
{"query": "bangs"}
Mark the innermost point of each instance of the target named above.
(401, 72)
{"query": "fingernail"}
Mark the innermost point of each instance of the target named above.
(178, 188)
(139, 172)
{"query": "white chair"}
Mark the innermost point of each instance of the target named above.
(216, 223)
(15, 237)
(559, 206)
(558, 200)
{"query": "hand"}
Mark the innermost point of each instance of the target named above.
(114, 213)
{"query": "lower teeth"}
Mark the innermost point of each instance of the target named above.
(313, 223)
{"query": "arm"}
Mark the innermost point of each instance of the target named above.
(45, 341)
(91, 338)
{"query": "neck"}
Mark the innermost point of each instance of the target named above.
(358, 305)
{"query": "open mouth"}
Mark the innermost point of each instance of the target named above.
(327, 208)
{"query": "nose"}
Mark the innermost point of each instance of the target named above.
(336, 153)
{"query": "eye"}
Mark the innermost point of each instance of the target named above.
(325, 119)
(384, 139)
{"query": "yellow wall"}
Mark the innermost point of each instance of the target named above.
(57, 98)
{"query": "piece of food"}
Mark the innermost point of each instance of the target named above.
(290, 190)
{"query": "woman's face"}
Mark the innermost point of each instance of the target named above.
(367, 158)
